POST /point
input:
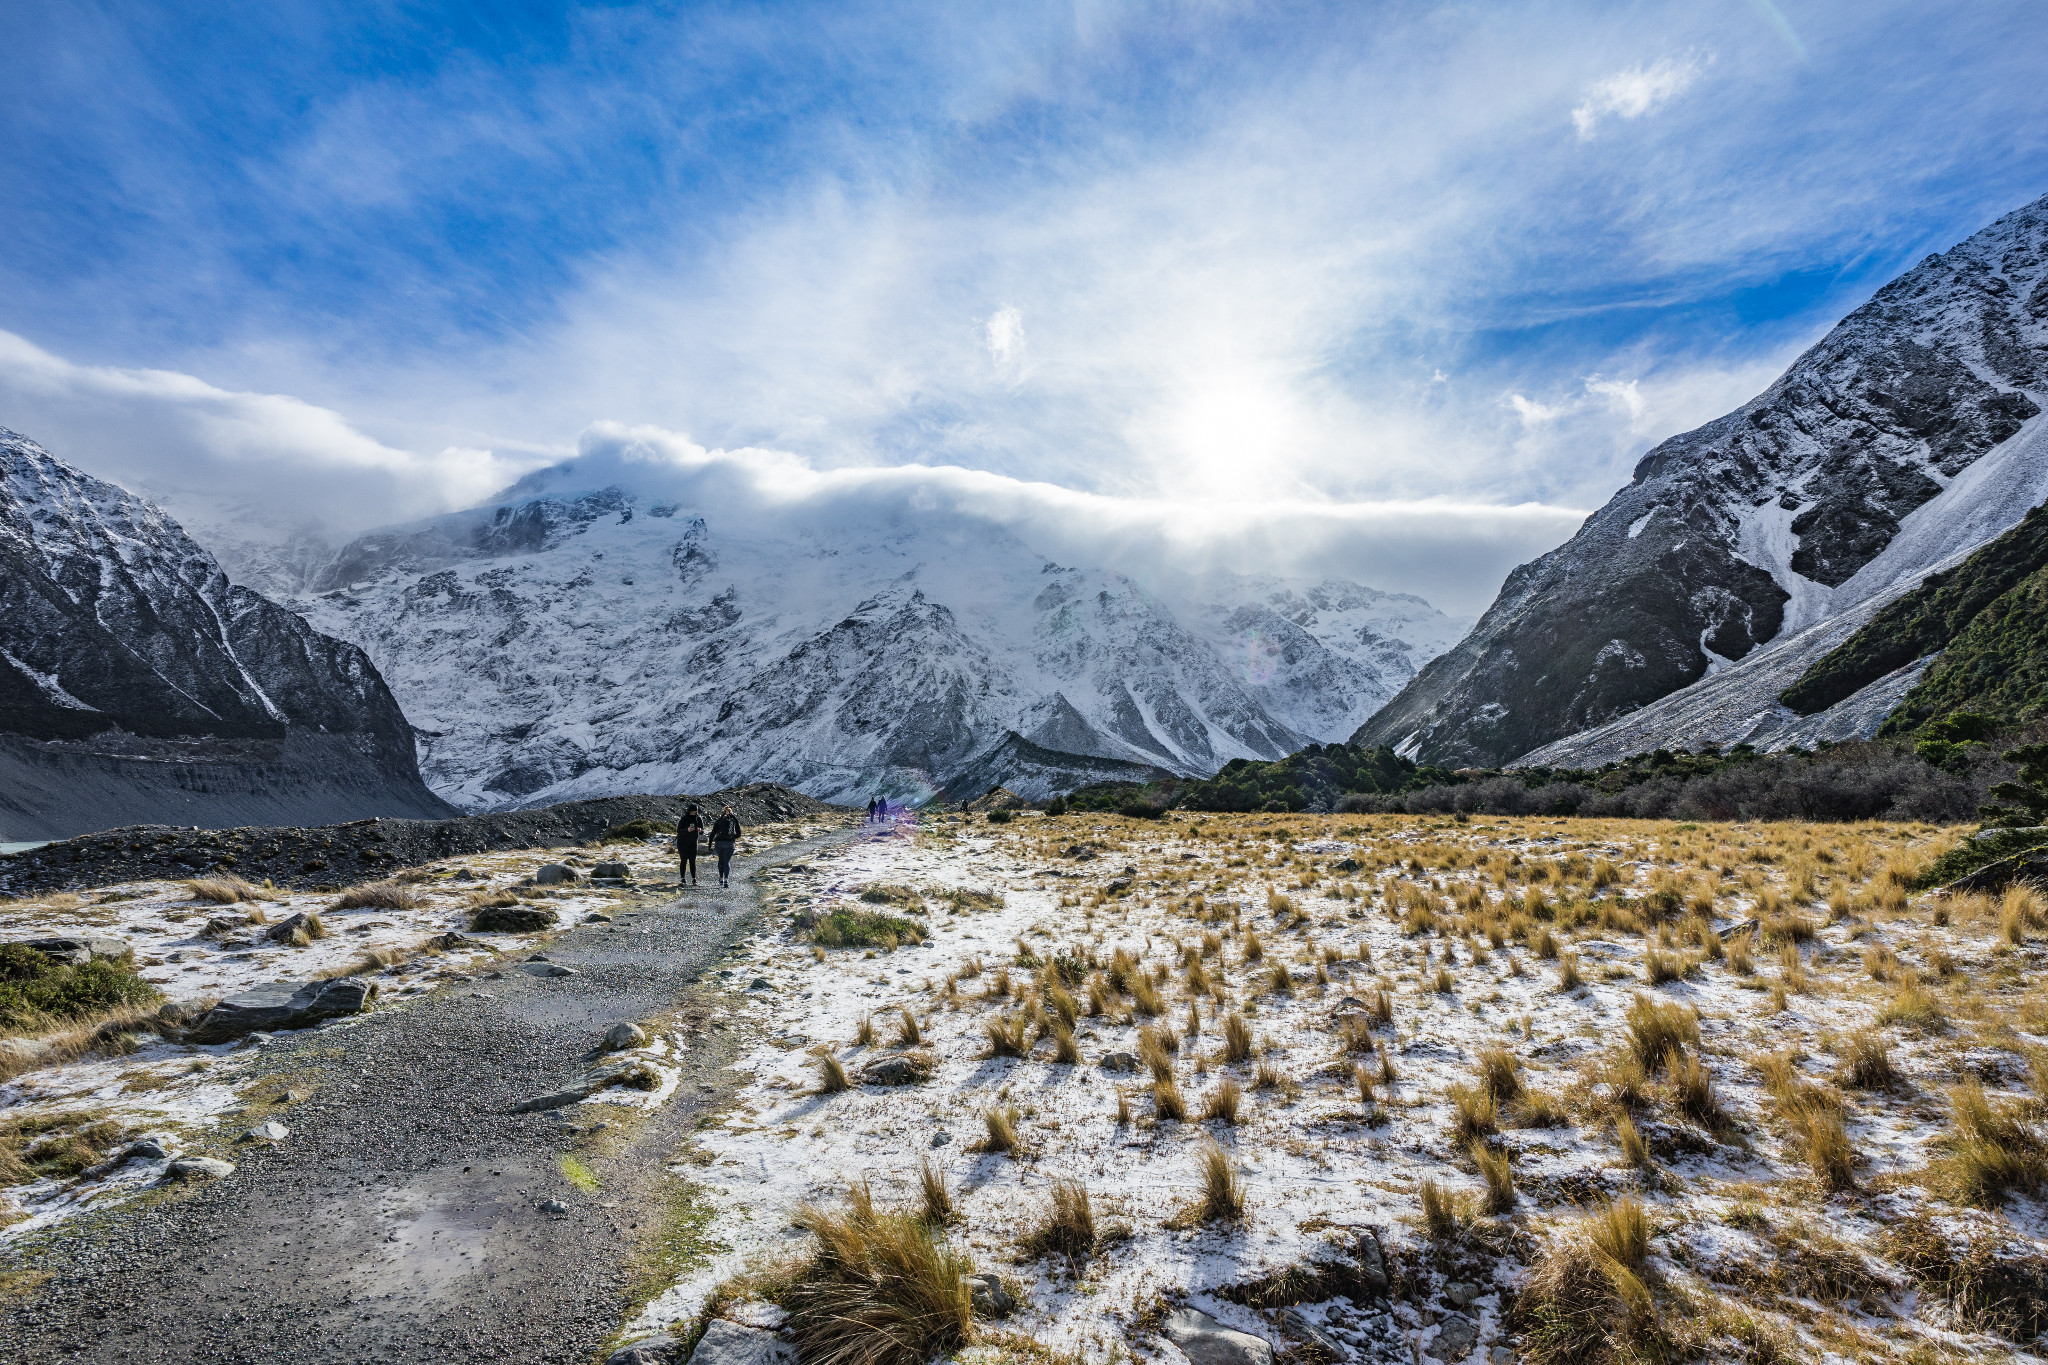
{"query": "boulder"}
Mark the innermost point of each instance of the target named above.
(297, 929)
(1314, 1333)
(988, 1295)
(553, 874)
(199, 1168)
(451, 941)
(621, 1036)
(1119, 1061)
(76, 951)
(728, 1343)
(1456, 1335)
(908, 1068)
(270, 1130)
(661, 1350)
(1205, 1341)
(512, 919)
(617, 871)
(1460, 1293)
(283, 1005)
(144, 1149)
(633, 1074)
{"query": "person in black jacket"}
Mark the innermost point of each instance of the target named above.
(725, 835)
(689, 830)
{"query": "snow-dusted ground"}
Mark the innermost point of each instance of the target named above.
(1312, 1156)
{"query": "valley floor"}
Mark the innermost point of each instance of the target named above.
(1824, 1097)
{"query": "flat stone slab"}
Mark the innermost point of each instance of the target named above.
(283, 1005)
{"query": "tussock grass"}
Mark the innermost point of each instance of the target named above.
(1991, 1150)
(1444, 1214)
(225, 889)
(1222, 1102)
(938, 1208)
(1168, 1104)
(1587, 1300)
(1237, 1038)
(1656, 1029)
(1067, 1227)
(832, 1078)
(1008, 1035)
(852, 928)
(1867, 1062)
(1222, 1197)
(385, 895)
(879, 1288)
(1000, 1122)
(1499, 1175)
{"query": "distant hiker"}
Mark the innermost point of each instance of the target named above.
(873, 801)
(689, 830)
(725, 833)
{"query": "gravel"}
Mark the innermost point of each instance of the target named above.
(409, 1216)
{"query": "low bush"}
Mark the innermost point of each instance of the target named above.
(36, 993)
(878, 1289)
(636, 831)
(848, 928)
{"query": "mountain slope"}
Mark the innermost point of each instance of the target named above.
(1859, 469)
(607, 627)
(137, 683)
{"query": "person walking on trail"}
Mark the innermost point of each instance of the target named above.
(725, 835)
(872, 802)
(689, 830)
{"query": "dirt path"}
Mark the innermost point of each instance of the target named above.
(403, 1217)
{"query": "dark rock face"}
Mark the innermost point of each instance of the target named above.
(1795, 492)
(282, 1005)
(129, 664)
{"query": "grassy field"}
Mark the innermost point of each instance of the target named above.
(1595, 1089)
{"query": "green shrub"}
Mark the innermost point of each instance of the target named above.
(634, 831)
(865, 929)
(35, 991)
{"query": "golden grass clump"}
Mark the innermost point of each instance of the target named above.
(1499, 1175)
(938, 1208)
(1223, 1198)
(226, 889)
(386, 895)
(832, 1078)
(1656, 1029)
(1867, 1062)
(1067, 1227)
(878, 1289)
(1237, 1038)
(1991, 1151)
(1168, 1104)
(1221, 1103)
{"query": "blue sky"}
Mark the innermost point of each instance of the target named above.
(377, 259)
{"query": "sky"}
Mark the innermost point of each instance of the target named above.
(1394, 290)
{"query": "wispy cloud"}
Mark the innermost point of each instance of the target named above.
(1635, 92)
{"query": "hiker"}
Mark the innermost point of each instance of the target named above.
(873, 801)
(725, 833)
(689, 830)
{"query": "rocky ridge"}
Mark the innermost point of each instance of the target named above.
(1884, 451)
(136, 680)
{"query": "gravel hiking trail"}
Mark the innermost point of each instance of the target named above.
(407, 1215)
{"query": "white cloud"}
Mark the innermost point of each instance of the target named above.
(1625, 395)
(1633, 93)
(1535, 414)
(1005, 332)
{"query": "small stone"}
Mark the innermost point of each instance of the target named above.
(512, 919)
(199, 1168)
(144, 1149)
(463, 874)
(760, 983)
(553, 874)
(597, 917)
(941, 1138)
(624, 1035)
(1461, 1294)
(909, 1068)
(1205, 1341)
(1119, 1061)
(988, 1296)
(554, 1208)
(618, 871)
(270, 1130)
(728, 1343)
(297, 929)
(1501, 1355)
(1456, 1335)
(546, 969)
(662, 1350)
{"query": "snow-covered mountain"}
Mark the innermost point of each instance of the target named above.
(618, 625)
(1909, 435)
(137, 684)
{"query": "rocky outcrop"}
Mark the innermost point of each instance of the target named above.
(282, 1005)
(1884, 450)
(137, 682)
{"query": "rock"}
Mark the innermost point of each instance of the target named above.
(1206, 1341)
(941, 1138)
(1314, 1333)
(620, 871)
(283, 1005)
(1346, 865)
(553, 874)
(1501, 1355)
(1355, 1270)
(633, 1074)
(988, 1295)
(144, 1149)
(554, 1208)
(728, 1343)
(1118, 885)
(662, 1350)
(199, 1168)
(597, 917)
(270, 1130)
(512, 919)
(23, 1050)
(1460, 1294)
(1119, 1061)
(546, 969)
(79, 950)
(298, 929)
(463, 874)
(1456, 1335)
(760, 983)
(451, 941)
(908, 1068)
(621, 1036)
